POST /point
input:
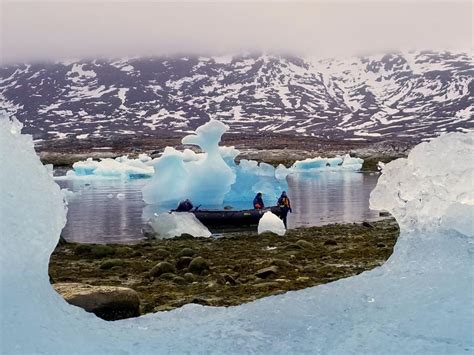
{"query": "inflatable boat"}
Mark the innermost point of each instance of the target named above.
(232, 218)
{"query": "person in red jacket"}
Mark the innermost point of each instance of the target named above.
(258, 202)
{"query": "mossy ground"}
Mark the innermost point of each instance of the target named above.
(304, 257)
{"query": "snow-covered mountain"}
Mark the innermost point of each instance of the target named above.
(394, 96)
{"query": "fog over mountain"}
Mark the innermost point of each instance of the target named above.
(407, 96)
(58, 30)
(172, 69)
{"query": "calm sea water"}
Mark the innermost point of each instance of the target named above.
(112, 211)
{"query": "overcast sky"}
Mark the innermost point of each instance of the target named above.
(54, 30)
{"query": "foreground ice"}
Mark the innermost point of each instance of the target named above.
(271, 223)
(420, 301)
(168, 225)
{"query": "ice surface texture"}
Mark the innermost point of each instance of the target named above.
(419, 301)
(271, 223)
(433, 188)
(169, 225)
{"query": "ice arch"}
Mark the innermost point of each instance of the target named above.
(419, 301)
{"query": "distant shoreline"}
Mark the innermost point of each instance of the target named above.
(271, 150)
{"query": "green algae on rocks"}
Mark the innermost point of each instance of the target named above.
(236, 268)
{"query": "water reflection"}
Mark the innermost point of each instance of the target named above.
(95, 214)
(331, 197)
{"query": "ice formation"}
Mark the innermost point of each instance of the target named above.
(168, 225)
(205, 180)
(316, 165)
(271, 223)
(213, 178)
(419, 301)
(121, 167)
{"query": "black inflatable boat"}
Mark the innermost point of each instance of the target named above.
(232, 218)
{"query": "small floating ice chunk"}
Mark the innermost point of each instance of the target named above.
(345, 162)
(169, 225)
(271, 223)
(68, 194)
(120, 167)
(120, 196)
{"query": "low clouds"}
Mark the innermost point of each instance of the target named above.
(69, 29)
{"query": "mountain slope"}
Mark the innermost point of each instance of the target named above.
(392, 96)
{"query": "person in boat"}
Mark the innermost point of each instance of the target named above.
(285, 206)
(258, 202)
(185, 206)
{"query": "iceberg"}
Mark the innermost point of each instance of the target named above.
(120, 167)
(170, 225)
(271, 223)
(205, 180)
(419, 301)
(211, 178)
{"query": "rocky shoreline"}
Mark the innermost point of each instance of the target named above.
(269, 149)
(228, 270)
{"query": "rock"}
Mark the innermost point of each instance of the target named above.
(189, 277)
(266, 285)
(267, 272)
(179, 280)
(384, 214)
(198, 265)
(209, 301)
(162, 268)
(185, 236)
(161, 253)
(311, 268)
(303, 244)
(292, 247)
(186, 252)
(94, 250)
(282, 263)
(302, 279)
(111, 263)
(124, 251)
(330, 242)
(381, 245)
(148, 232)
(226, 279)
(183, 262)
(106, 302)
(167, 276)
(211, 285)
(163, 308)
(367, 224)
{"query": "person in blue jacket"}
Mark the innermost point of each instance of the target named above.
(258, 202)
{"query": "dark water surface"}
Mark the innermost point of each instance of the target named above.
(112, 211)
